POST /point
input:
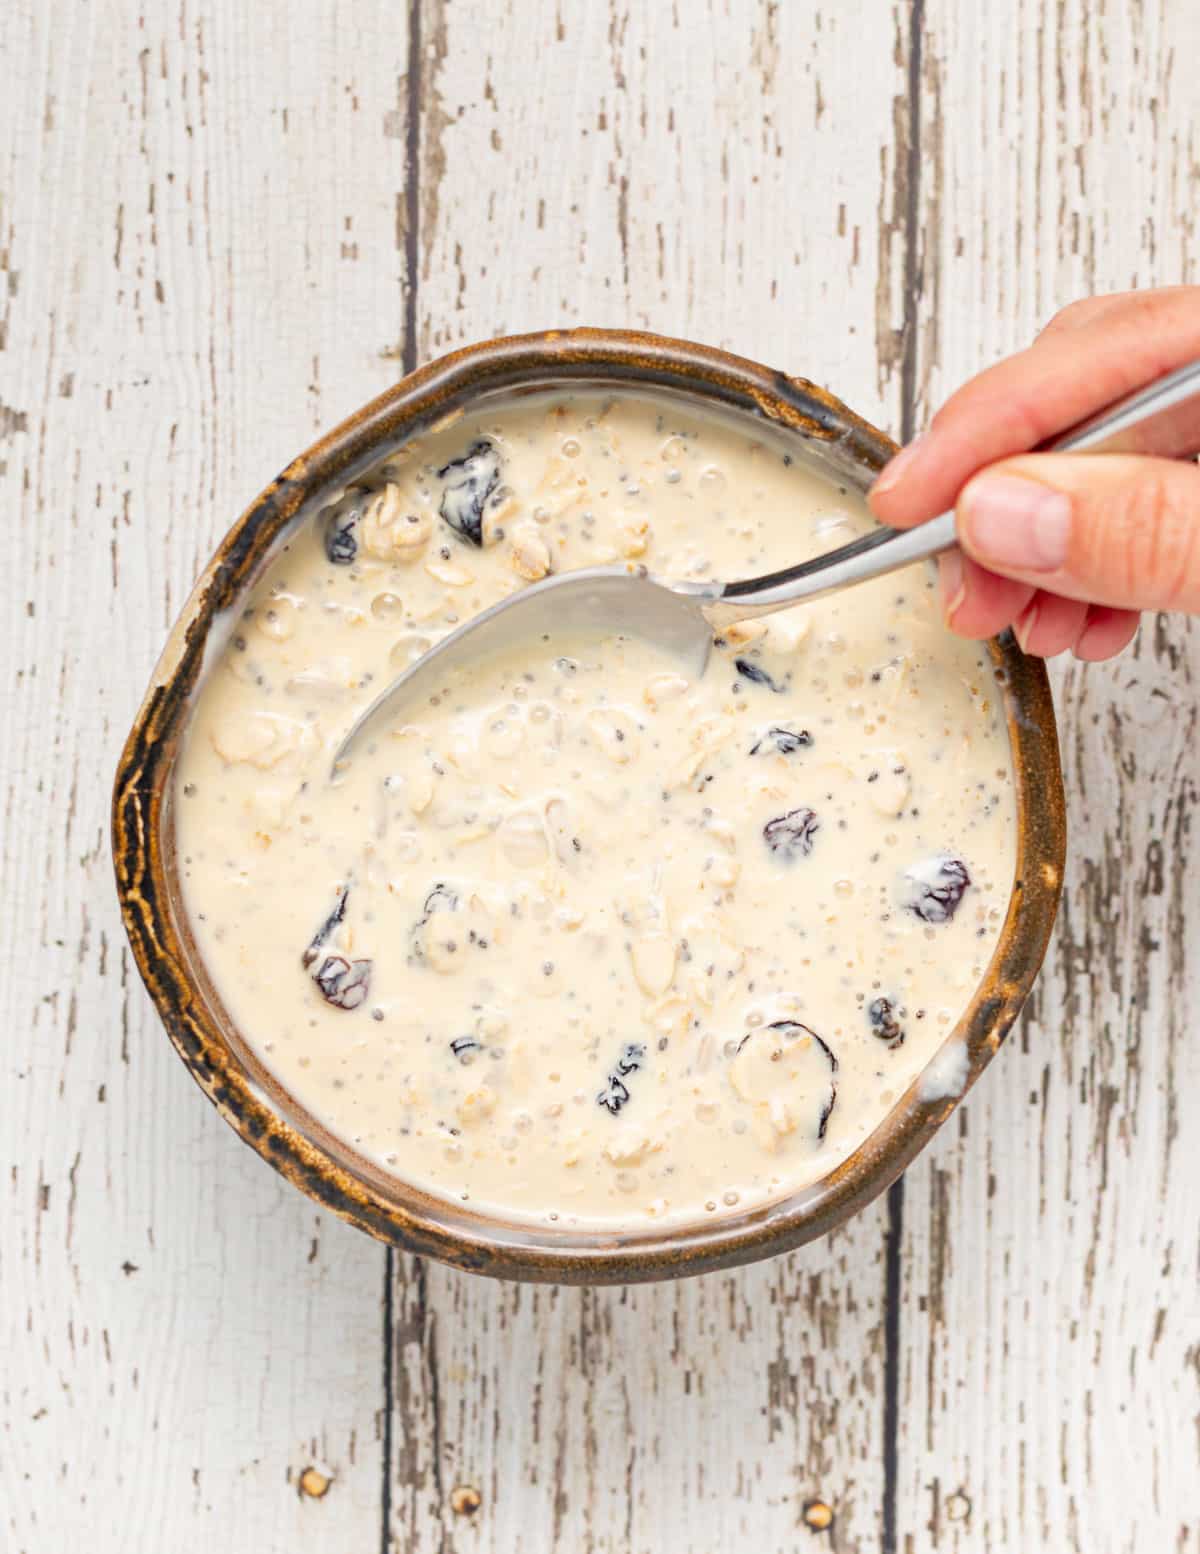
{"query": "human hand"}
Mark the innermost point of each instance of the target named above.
(1066, 548)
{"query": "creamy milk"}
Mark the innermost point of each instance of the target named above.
(582, 939)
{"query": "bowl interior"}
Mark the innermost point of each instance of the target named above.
(271, 1119)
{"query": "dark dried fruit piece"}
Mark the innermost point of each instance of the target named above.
(632, 1055)
(440, 899)
(616, 1091)
(326, 928)
(791, 836)
(784, 740)
(466, 1048)
(470, 481)
(881, 1012)
(936, 887)
(793, 1030)
(343, 983)
(338, 525)
(614, 1095)
(755, 675)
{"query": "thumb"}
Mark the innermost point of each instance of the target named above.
(1108, 529)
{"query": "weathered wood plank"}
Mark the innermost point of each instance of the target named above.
(205, 238)
(1049, 1384)
(703, 171)
(692, 1416)
(198, 271)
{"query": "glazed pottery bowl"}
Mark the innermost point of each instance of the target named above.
(833, 439)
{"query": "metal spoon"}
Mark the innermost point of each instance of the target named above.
(681, 617)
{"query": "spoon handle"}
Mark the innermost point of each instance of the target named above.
(1164, 417)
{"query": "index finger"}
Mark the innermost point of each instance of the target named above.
(1065, 376)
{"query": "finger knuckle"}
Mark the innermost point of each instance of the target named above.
(1073, 314)
(1068, 317)
(1009, 412)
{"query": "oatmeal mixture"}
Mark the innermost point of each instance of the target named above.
(582, 939)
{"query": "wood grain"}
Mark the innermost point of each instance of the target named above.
(196, 275)
(692, 1416)
(221, 228)
(679, 170)
(1049, 1385)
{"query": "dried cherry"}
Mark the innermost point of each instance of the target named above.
(784, 740)
(791, 836)
(936, 887)
(339, 523)
(881, 1012)
(470, 481)
(756, 675)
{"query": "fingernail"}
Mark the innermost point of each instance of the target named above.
(952, 582)
(894, 472)
(1015, 523)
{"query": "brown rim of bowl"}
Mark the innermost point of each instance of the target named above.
(271, 1122)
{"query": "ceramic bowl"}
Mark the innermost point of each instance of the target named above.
(270, 1120)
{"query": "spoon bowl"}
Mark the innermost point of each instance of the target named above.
(591, 601)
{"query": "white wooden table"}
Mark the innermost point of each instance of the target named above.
(224, 226)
